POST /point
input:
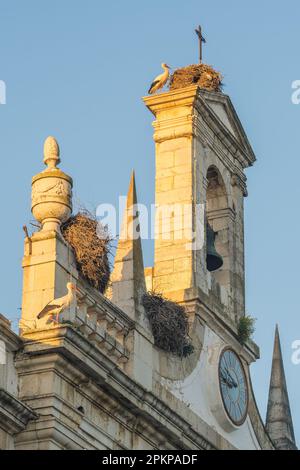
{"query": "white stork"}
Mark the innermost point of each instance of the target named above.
(57, 306)
(160, 80)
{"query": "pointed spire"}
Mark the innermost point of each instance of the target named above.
(128, 280)
(279, 422)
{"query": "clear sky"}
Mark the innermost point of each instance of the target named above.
(77, 70)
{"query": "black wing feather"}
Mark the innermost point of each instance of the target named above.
(153, 85)
(47, 309)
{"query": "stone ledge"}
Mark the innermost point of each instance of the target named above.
(11, 340)
(14, 415)
(183, 428)
(212, 314)
(193, 96)
(103, 304)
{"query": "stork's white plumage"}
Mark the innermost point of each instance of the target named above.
(160, 80)
(57, 306)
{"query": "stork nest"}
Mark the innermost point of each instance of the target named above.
(90, 242)
(169, 323)
(202, 75)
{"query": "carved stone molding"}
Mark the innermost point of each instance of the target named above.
(14, 415)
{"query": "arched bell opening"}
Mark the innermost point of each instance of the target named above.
(217, 233)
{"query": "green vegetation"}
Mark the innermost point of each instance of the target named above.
(246, 328)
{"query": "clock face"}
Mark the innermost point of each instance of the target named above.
(233, 386)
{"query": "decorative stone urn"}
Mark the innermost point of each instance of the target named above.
(51, 196)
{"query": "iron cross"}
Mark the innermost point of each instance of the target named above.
(201, 40)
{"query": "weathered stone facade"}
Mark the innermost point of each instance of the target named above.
(96, 380)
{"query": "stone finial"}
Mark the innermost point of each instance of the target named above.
(279, 423)
(51, 197)
(51, 153)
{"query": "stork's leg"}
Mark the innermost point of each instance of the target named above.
(51, 318)
(57, 314)
(55, 317)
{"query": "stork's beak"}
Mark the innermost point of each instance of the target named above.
(168, 66)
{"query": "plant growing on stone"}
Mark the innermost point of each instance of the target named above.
(246, 328)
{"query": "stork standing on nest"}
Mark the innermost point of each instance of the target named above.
(160, 80)
(55, 307)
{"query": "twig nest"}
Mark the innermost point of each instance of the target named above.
(169, 324)
(91, 245)
(202, 75)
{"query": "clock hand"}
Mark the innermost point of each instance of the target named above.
(225, 372)
(233, 382)
(225, 379)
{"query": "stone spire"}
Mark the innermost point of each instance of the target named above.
(128, 281)
(279, 422)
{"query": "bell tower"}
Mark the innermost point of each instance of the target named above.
(201, 154)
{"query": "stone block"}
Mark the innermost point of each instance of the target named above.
(182, 181)
(164, 267)
(164, 184)
(182, 156)
(166, 160)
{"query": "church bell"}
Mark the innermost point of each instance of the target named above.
(214, 261)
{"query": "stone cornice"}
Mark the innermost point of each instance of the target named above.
(216, 214)
(233, 118)
(187, 123)
(102, 303)
(180, 125)
(75, 350)
(14, 415)
(244, 154)
(163, 101)
(12, 341)
(213, 316)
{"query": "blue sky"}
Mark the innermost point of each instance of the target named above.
(78, 69)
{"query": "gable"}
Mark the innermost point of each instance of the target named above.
(222, 108)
